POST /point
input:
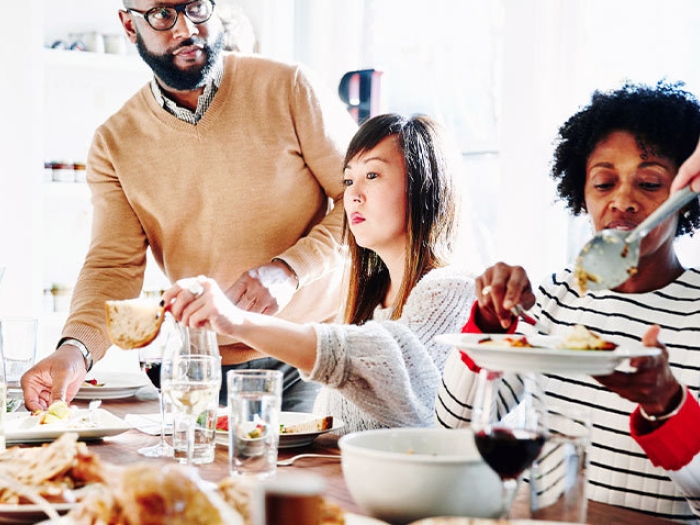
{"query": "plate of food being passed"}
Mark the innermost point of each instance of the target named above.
(297, 429)
(579, 352)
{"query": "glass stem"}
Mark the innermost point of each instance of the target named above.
(162, 418)
(509, 487)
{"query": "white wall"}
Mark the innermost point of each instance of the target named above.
(21, 161)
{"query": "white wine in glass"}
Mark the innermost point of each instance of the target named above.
(191, 380)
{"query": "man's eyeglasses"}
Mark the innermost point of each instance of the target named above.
(163, 17)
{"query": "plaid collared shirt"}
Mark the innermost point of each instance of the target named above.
(184, 114)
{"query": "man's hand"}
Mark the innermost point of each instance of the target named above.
(59, 376)
(265, 289)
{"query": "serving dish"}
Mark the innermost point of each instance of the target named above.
(22, 427)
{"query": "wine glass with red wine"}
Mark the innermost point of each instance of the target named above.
(509, 424)
(150, 360)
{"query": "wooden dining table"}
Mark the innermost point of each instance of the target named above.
(122, 449)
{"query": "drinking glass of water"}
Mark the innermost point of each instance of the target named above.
(191, 381)
(254, 400)
(18, 344)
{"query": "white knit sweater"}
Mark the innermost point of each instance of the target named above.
(386, 373)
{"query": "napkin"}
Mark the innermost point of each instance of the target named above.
(150, 423)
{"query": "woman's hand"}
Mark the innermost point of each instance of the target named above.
(498, 290)
(200, 302)
(653, 385)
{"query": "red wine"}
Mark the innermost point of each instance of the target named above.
(509, 453)
(152, 369)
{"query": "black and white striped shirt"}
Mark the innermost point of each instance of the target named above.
(620, 472)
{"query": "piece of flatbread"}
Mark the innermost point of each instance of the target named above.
(133, 323)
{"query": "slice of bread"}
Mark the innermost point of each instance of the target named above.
(133, 323)
(313, 425)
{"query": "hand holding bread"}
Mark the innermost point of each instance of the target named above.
(133, 323)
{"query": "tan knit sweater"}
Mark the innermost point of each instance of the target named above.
(253, 180)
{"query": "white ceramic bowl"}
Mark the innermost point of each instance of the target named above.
(405, 474)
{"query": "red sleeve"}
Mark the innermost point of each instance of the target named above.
(470, 327)
(675, 443)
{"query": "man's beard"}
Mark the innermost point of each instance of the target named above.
(164, 67)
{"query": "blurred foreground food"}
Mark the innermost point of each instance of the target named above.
(142, 493)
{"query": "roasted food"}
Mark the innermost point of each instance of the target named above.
(133, 323)
(59, 472)
(581, 338)
(512, 341)
(65, 471)
(142, 495)
(314, 425)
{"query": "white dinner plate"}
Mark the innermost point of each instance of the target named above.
(116, 385)
(546, 357)
(290, 440)
(29, 513)
(22, 427)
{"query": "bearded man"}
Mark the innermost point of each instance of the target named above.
(228, 165)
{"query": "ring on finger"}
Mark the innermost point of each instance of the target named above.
(196, 289)
(486, 290)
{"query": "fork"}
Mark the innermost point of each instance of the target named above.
(518, 310)
(92, 411)
(289, 461)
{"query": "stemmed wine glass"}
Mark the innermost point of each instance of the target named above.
(510, 427)
(191, 379)
(150, 360)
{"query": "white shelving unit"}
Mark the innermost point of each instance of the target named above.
(78, 91)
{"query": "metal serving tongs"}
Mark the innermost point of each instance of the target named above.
(611, 256)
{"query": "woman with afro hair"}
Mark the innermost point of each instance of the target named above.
(615, 160)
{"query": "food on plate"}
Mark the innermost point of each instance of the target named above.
(60, 472)
(222, 423)
(93, 382)
(65, 471)
(13, 404)
(512, 341)
(581, 338)
(57, 411)
(582, 277)
(259, 430)
(313, 425)
(142, 494)
(237, 493)
(133, 323)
